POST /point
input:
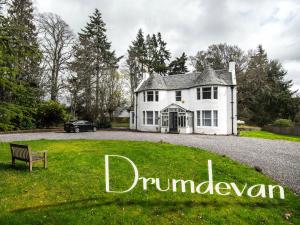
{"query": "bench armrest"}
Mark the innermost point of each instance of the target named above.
(39, 152)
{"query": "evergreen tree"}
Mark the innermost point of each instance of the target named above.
(23, 29)
(136, 61)
(93, 53)
(264, 92)
(178, 66)
(157, 54)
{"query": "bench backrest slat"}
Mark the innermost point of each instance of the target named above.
(20, 151)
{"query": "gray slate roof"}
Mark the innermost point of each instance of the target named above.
(188, 80)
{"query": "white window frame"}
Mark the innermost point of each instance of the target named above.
(156, 94)
(198, 118)
(198, 91)
(153, 96)
(211, 94)
(215, 118)
(181, 120)
(217, 92)
(165, 119)
(178, 96)
(148, 117)
(204, 118)
(156, 117)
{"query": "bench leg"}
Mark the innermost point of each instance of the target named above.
(45, 161)
(30, 166)
(13, 161)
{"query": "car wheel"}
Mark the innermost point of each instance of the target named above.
(77, 130)
(94, 129)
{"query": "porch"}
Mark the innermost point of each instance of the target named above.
(176, 119)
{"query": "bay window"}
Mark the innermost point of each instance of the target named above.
(215, 92)
(150, 96)
(206, 92)
(206, 118)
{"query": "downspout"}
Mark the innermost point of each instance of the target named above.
(232, 118)
(136, 104)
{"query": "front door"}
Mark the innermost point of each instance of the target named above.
(173, 122)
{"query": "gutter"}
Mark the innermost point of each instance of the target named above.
(232, 118)
(136, 104)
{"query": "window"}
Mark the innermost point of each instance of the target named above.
(178, 96)
(215, 92)
(206, 118)
(149, 117)
(198, 118)
(165, 120)
(156, 118)
(181, 120)
(198, 93)
(156, 96)
(215, 118)
(206, 92)
(144, 117)
(144, 94)
(150, 96)
(132, 117)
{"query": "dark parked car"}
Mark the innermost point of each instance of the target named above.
(79, 125)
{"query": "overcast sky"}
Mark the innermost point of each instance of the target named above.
(192, 25)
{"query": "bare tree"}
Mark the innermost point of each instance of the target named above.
(56, 41)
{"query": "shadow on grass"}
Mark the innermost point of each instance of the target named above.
(164, 205)
(20, 167)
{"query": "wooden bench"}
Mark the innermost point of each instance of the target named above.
(24, 153)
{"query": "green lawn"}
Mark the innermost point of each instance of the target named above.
(268, 135)
(72, 190)
(119, 124)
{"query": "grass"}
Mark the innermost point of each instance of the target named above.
(119, 124)
(72, 190)
(269, 135)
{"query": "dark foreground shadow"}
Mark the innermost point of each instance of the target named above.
(164, 205)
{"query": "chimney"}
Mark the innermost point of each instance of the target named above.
(145, 76)
(232, 70)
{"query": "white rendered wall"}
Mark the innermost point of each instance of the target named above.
(190, 102)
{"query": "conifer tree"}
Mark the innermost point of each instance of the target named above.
(23, 29)
(136, 61)
(94, 54)
(178, 66)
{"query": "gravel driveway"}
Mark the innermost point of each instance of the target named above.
(278, 159)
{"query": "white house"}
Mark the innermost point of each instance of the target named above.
(203, 103)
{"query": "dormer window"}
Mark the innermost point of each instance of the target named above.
(178, 96)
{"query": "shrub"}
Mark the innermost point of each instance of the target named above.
(104, 123)
(50, 113)
(283, 123)
(14, 117)
(297, 119)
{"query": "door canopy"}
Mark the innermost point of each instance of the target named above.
(174, 108)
